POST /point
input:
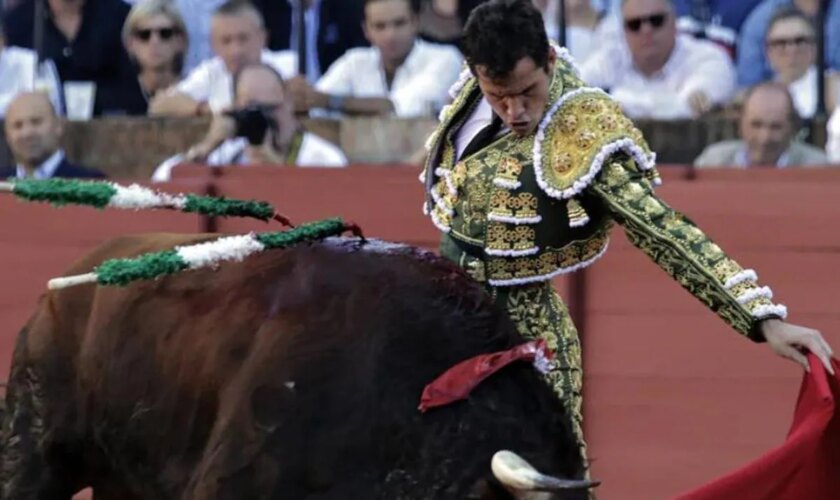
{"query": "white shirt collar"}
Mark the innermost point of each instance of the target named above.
(45, 170)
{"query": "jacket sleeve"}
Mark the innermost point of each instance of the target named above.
(681, 249)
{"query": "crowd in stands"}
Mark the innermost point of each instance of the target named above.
(660, 59)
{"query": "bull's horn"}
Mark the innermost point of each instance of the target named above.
(516, 473)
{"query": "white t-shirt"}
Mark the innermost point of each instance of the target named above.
(693, 65)
(314, 152)
(18, 74)
(420, 84)
(211, 82)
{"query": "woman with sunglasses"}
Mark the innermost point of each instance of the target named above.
(155, 38)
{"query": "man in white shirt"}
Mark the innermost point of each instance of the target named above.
(33, 131)
(258, 87)
(654, 73)
(768, 126)
(19, 72)
(238, 38)
(399, 73)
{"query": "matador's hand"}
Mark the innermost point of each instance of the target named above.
(788, 341)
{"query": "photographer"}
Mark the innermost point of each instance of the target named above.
(261, 130)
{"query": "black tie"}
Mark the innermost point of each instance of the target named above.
(484, 137)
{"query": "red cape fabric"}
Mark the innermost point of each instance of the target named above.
(807, 465)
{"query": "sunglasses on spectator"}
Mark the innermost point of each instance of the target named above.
(795, 42)
(635, 24)
(163, 33)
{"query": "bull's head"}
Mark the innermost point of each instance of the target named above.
(524, 482)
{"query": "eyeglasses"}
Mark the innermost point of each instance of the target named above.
(655, 20)
(795, 42)
(164, 34)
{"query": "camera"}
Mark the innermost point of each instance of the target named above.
(253, 123)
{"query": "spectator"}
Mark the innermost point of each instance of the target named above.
(33, 132)
(442, 21)
(197, 28)
(19, 72)
(586, 28)
(332, 27)
(718, 21)
(768, 126)
(82, 37)
(656, 73)
(753, 66)
(258, 87)
(155, 37)
(399, 73)
(238, 36)
(792, 52)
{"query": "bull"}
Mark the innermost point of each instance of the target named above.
(295, 374)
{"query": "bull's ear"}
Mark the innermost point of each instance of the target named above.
(520, 478)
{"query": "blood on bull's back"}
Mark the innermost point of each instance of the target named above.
(293, 374)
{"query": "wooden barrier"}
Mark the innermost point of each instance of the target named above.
(125, 147)
(673, 397)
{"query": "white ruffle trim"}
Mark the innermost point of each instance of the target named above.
(460, 83)
(442, 204)
(756, 293)
(551, 275)
(443, 112)
(425, 208)
(512, 253)
(438, 223)
(645, 161)
(580, 222)
(224, 249)
(741, 277)
(564, 54)
(506, 184)
(446, 174)
(430, 141)
(514, 220)
(136, 197)
(770, 310)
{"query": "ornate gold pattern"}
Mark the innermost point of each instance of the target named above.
(514, 206)
(584, 124)
(538, 312)
(502, 239)
(549, 260)
(563, 162)
(509, 169)
(726, 269)
(577, 215)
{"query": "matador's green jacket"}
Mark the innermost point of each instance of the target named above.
(542, 205)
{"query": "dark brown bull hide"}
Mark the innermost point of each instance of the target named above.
(294, 375)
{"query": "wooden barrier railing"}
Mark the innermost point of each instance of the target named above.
(132, 147)
(673, 397)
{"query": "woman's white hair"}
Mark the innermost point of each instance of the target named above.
(148, 8)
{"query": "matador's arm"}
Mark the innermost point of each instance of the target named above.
(683, 250)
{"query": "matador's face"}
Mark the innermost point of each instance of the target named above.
(520, 98)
